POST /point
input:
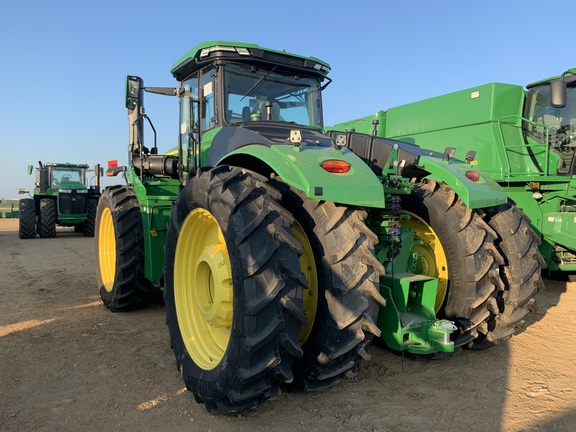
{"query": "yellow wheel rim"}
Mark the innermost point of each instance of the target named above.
(203, 291)
(431, 256)
(310, 295)
(107, 250)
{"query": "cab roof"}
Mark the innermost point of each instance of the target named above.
(65, 165)
(245, 52)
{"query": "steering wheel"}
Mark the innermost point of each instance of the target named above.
(66, 177)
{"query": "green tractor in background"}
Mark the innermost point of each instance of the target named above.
(282, 249)
(62, 196)
(523, 139)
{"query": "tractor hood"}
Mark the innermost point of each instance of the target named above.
(72, 185)
(267, 134)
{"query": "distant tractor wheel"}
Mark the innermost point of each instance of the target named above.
(455, 245)
(79, 228)
(120, 250)
(522, 271)
(233, 289)
(89, 224)
(342, 300)
(27, 219)
(47, 218)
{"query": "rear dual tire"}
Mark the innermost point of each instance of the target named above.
(342, 300)
(521, 272)
(493, 265)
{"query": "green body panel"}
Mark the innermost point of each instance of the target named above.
(155, 197)
(300, 168)
(207, 139)
(553, 218)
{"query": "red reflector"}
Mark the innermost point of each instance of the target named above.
(113, 164)
(472, 175)
(335, 166)
(534, 185)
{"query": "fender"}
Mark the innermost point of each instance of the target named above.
(299, 166)
(485, 192)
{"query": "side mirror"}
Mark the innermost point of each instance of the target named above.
(29, 169)
(133, 84)
(558, 93)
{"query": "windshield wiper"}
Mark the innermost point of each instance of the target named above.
(258, 82)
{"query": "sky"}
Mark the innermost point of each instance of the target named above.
(63, 62)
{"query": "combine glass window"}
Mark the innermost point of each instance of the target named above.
(256, 94)
(560, 123)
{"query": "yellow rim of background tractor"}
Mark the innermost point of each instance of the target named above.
(107, 250)
(308, 267)
(432, 259)
(203, 291)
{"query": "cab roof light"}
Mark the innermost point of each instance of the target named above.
(240, 50)
(335, 166)
(243, 51)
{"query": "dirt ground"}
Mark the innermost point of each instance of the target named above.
(68, 364)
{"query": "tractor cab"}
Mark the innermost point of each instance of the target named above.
(52, 177)
(231, 83)
(224, 84)
(236, 84)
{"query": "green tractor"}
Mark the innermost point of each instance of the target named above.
(282, 249)
(523, 139)
(62, 196)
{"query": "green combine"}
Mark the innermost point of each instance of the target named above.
(525, 139)
(282, 248)
(63, 196)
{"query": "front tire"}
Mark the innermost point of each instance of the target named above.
(233, 289)
(120, 250)
(27, 219)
